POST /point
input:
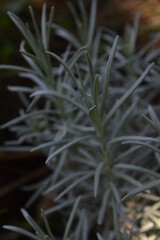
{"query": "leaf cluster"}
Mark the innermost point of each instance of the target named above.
(91, 125)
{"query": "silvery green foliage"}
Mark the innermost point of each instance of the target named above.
(39, 233)
(93, 95)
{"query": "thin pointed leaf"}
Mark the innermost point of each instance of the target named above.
(91, 71)
(94, 116)
(87, 99)
(79, 228)
(129, 179)
(30, 58)
(80, 77)
(47, 225)
(107, 74)
(67, 35)
(70, 220)
(116, 193)
(63, 181)
(153, 124)
(126, 153)
(127, 93)
(49, 26)
(43, 26)
(75, 15)
(16, 68)
(34, 23)
(20, 25)
(85, 228)
(74, 58)
(134, 138)
(32, 104)
(115, 220)
(97, 178)
(24, 117)
(153, 115)
(32, 222)
(37, 80)
(60, 95)
(102, 210)
(59, 207)
(74, 184)
(96, 90)
(120, 123)
(25, 31)
(20, 231)
(137, 168)
(141, 189)
(134, 34)
(99, 237)
(35, 47)
(92, 22)
(84, 15)
(65, 66)
(96, 46)
(20, 89)
(44, 145)
(15, 149)
(70, 144)
(143, 144)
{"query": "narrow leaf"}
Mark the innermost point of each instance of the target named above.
(65, 66)
(34, 22)
(96, 90)
(24, 117)
(92, 22)
(67, 35)
(16, 68)
(43, 27)
(97, 178)
(107, 74)
(137, 168)
(84, 15)
(134, 138)
(47, 225)
(141, 189)
(20, 231)
(99, 237)
(103, 207)
(75, 15)
(49, 26)
(74, 184)
(63, 181)
(91, 71)
(127, 93)
(59, 207)
(115, 220)
(70, 144)
(153, 115)
(30, 58)
(62, 96)
(32, 222)
(143, 144)
(153, 124)
(70, 220)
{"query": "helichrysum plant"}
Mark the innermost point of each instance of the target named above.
(91, 123)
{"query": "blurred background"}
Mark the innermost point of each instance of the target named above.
(23, 168)
(113, 14)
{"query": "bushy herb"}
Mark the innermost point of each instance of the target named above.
(92, 96)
